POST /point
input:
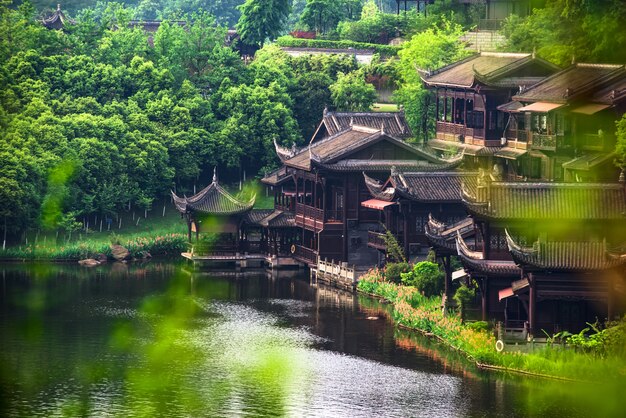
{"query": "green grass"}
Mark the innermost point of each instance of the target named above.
(385, 107)
(418, 312)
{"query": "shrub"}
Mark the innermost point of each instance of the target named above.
(426, 276)
(393, 271)
(463, 296)
(478, 326)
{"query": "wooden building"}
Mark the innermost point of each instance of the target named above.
(563, 128)
(57, 19)
(214, 210)
(323, 183)
(468, 94)
(407, 200)
(551, 255)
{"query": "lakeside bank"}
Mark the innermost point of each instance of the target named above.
(603, 361)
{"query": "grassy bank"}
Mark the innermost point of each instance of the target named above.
(412, 310)
(160, 231)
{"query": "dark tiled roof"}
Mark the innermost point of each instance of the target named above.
(565, 256)
(378, 189)
(387, 165)
(571, 82)
(342, 144)
(277, 177)
(510, 153)
(463, 73)
(433, 187)
(394, 123)
(612, 93)
(443, 236)
(57, 19)
(588, 162)
(255, 216)
(572, 201)
(474, 262)
(213, 199)
(270, 218)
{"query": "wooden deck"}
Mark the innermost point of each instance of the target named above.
(242, 260)
(336, 275)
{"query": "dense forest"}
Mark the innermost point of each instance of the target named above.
(101, 116)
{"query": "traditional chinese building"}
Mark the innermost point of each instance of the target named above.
(57, 20)
(551, 255)
(563, 128)
(407, 200)
(468, 95)
(323, 183)
(214, 210)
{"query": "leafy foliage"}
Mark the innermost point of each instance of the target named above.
(426, 277)
(393, 271)
(262, 19)
(351, 93)
(289, 41)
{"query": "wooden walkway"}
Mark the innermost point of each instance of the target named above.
(338, 275)
(242, 260)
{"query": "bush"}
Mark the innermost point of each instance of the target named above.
(478, 326)
(426, 277)
(393, 271)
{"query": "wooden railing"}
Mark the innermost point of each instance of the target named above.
(338, 271)
(376, 240)
(547, 142)
(309, 217)
(517, 135)
(592, 142)
(304, 254)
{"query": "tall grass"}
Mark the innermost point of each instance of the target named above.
(413, 310)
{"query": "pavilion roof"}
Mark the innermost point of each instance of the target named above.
(57, 19)
(566, 256)
(213, 199)
(340, 145)
(387, 165)
(575, 81)
(474, 262)
(394, 123)
(564, 201)
(277, 177)
(495, 69)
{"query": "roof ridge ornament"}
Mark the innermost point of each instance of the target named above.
(215, 175)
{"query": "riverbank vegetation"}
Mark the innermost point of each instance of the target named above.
(592, 355)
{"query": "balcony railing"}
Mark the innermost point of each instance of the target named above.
(376, 240)
(547, 142)
(592, 141)
(309, 217)
(517, 135)
(304, 254)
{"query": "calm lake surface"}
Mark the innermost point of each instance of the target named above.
(159, 339)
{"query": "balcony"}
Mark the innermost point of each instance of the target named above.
(517, 135)
(309, 217)
(377, 240)
(546, 142)
(450, 130)
(304, 254)
(592, 142)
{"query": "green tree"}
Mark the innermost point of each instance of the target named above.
(262, 19)
(428, 50)
(351, 93)
(426, 277)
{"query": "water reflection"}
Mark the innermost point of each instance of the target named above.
(162, 340)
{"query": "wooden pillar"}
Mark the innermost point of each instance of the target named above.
(437, 105)
(405, 232)
(345, 219)
(465, 108)
(324, 198)
(188, 230)
(296, 179)
(610, 306)
(532, 304)
(484, 298)
(447, 265)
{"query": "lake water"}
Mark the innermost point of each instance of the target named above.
(160, 339)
